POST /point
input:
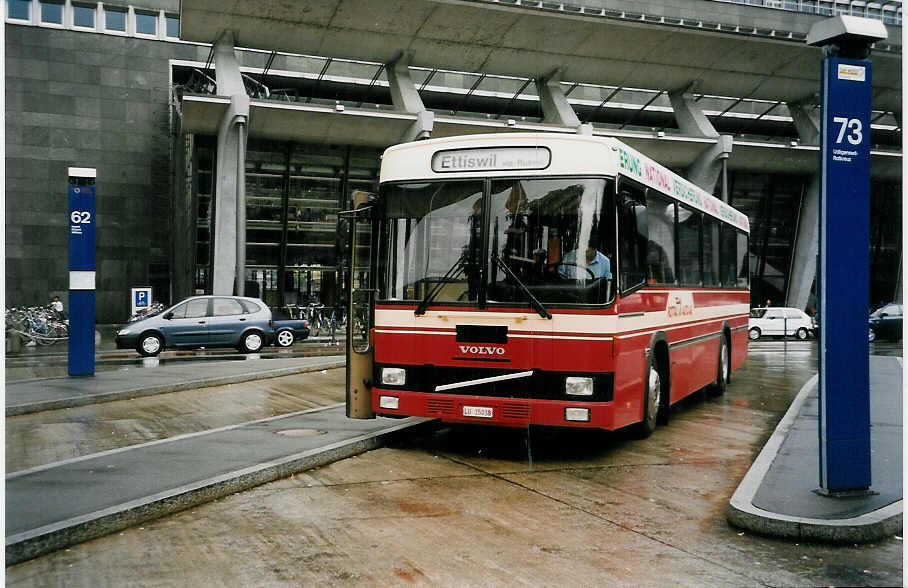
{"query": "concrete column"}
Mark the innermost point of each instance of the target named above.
(707, 168)
(806, 120)
(804, 259)
(555, 107)
(405, 96)
(229, 236)
(690, 119)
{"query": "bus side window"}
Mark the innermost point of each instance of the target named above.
(710, 252)
(633, 231)
(661, 248)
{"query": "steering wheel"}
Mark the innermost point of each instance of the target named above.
(561, 264)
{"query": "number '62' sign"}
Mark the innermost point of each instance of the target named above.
(81, 228)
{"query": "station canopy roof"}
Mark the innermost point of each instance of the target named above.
(523, 39)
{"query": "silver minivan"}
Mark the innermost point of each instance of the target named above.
(202, 321)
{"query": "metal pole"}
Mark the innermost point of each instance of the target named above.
(241, 210)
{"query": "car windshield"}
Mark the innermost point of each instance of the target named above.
(525, 241)
(888, 310)
(757, 312)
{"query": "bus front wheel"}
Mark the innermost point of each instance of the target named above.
(652, 400)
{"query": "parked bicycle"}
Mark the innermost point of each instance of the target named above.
(37, 323)
(318, 322)
(155, 308)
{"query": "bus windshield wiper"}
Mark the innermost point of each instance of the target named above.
(452, 273)
(542, 310)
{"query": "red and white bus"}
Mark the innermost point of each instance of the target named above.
(541, 279)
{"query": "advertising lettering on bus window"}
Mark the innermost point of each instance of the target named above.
(652, 175)
(491, 159)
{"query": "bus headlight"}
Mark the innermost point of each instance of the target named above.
(393, 376)
(389, 402)
(578, 386)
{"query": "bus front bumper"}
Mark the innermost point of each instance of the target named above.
(507, 412)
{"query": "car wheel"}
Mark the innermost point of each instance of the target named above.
(753, 334)
(285, 338)
(150, 344)
(801, 333)
(718, 387)
(652, 399)
(251, 342)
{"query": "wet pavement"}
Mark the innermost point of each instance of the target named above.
(532, 507)
(157, 377)
(779, 494)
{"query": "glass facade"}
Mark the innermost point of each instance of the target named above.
(293, 194)
(772, 204)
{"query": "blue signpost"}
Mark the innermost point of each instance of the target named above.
(82, 267)
(844, 387)
(844, 276)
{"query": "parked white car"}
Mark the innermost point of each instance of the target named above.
(778, 321)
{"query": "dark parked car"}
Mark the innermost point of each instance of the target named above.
(202, 321)
(886, 322)
(288, 330)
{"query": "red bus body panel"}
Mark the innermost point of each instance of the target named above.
(613, 340)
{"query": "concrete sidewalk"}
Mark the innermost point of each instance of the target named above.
(777, 495)
(60, 504)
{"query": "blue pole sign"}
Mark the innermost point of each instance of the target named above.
(82, 266)
(844, 423)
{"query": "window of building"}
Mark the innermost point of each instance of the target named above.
(51, 12)
(146, 23)
(84, 15)
(19, 9)
(172, 23)
(115, 19)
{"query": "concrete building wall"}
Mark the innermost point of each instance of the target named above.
(88, 100)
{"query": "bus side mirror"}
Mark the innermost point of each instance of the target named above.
(362, 198)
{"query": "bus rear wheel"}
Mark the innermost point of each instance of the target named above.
(718, 387)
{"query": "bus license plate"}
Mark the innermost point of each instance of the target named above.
(478, 411)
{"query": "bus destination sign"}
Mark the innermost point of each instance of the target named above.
(491, 159)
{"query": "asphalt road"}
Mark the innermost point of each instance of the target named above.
(459, 506)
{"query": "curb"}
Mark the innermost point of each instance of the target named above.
(72, 402)
(43, 540)
(872, 526)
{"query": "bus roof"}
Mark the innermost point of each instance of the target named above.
(545, 154)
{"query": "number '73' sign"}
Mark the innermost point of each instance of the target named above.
(850, 129)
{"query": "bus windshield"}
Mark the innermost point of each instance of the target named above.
(505, 241)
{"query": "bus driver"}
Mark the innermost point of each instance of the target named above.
(595, 261)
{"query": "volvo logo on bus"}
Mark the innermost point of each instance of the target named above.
(481, 350)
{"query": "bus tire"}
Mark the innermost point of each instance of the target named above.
(718, 387)
(652, 399)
